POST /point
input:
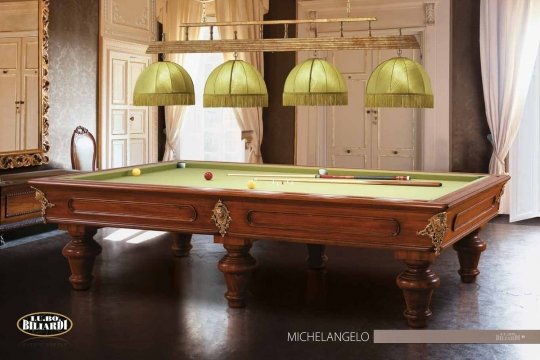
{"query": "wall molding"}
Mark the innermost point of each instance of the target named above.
(129, 20)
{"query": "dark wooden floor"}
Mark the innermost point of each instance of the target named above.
(146, 304)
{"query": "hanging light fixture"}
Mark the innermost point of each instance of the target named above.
(399, 82)
(164, 83)
(235, 83)
(315, 82)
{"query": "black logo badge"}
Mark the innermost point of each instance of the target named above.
(44, 324)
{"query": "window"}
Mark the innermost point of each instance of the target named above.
(208, 133)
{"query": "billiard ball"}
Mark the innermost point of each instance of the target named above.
(208, 175)
(181, 165)
(251, 184)
(323, 172)
(136, 172)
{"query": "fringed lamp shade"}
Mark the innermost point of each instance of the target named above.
(315, 82)
(399, 82)
(235, 83)
(164, 83)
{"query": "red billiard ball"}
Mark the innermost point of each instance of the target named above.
(208, 175)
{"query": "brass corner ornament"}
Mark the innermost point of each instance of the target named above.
(221, 217)
(436, 229)
(45, 204)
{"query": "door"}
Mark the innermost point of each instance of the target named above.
(369, 138)
(127, 126)
(9, 94)
(19, 93)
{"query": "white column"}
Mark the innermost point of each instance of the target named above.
(436, 130)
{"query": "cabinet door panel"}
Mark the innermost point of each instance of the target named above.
(119, 153)
(348, 127)
(119, 122)
(30, 53)
(31, 111)
(137, 151)
(9, 54)
(9, 124)
(396, 162)
(119, 81)
(138, 121)
(136, 66)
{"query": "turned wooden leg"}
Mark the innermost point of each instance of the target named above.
(417, 283)
(81, 252)
(469, 250)
(316, 257)
(181, 244)
(237, 266)
(316, 275)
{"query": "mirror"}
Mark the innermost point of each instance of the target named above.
(24, 83)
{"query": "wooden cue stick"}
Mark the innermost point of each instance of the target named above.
(359, 182)
(275, 175)
(317, 176)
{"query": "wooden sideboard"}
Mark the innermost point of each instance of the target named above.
(18, 204)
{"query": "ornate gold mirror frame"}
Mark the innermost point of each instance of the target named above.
(37, 156)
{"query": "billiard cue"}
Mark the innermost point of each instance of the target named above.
(317, 176)
(356, 182)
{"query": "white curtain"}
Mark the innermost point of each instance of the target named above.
(244, 10)
(178, 12)
(509, 39)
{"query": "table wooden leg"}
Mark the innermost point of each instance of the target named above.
(469, 250)
(81, 253)
(417, 283)
(316, 275)
(237, 267)
(181, 244)
(316, 256)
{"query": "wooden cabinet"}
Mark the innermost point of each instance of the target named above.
(18, 205)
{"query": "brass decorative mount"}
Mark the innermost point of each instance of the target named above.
(220, 215)
(435, 230)
(45, 204)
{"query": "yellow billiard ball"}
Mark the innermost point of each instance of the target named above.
(136, 172)
(251, 184)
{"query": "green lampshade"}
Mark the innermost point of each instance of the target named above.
(315, 82)
(235, 83)
(164, 83)
(399, 82)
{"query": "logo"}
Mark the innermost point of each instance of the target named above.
(44, 324)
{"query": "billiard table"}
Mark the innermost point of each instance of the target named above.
(288, 203)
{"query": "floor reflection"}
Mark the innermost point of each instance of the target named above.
(147, 304)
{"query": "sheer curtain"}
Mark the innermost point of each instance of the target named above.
(208, 133)
(509, 39)
(244, 10)
(178, 12)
